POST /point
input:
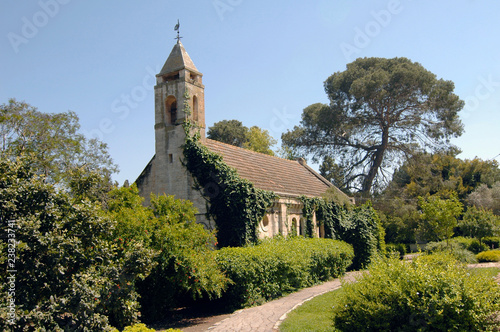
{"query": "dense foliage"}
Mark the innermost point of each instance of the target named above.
(53, 140)
(479, 223)
(235, 133)
(441, 172)
(84, 265)
(458, 248)
(185, 267)
(439, 217)
(358, 226)
(489, 256)
(380, 111)
(70, 273)
(486, 197)
(235, 204)
(279, 266)
(473, 182)
(432, 293)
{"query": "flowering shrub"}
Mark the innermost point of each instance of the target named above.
(279, 266)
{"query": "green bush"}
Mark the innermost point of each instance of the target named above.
(431, 293)
(455, 248)
(279, 266)
(493, 242)
(489, 256)
(399, 248)
(186, 269)
(468, 243)
(465, 242)
(71, 275)
(476, 247)
(137, 328)
(479, 223)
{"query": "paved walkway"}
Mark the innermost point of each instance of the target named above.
(268, 316)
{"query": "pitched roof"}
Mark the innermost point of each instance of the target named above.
(283, 176)
(177, 60)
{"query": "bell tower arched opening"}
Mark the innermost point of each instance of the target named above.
(171, 110)
(195, 109)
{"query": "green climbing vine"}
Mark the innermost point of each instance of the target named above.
(358, 226)
(234, 203)
(309, 206)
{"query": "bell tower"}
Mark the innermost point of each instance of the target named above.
(178, 79)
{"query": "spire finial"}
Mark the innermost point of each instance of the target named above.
(176, 28)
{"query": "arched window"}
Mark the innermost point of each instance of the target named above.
(171, 109)
(264, 224)
(195, 108)
(293, 231)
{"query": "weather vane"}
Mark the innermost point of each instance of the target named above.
(176, 28)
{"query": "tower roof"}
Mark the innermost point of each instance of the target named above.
(177, 60)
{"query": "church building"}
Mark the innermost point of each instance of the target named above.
(165, 173)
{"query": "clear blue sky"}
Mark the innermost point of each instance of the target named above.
(263, 61)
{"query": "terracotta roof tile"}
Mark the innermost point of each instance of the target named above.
(286, 177)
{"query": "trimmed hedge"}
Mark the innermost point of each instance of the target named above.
(279, 266)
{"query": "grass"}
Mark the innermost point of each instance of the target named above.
(489, 271)
(316, 315)
(313, 315)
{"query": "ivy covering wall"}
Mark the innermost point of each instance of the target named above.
(234, 203)
(358, 226)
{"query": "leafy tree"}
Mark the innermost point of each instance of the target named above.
(53, 140)
(434, 173)
(423, 174)
(286, 152)
(439, 216)
(233, 132)
(228, 131)
(185, 265)
(259, 140)
(71, 274)
(479, 223)
(380, 110)
(486, 197)
(400, 220)
(333, 172)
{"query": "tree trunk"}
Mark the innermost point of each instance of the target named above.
(377, 161)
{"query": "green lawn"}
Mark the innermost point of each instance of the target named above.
(313, 315)
(316, 315)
